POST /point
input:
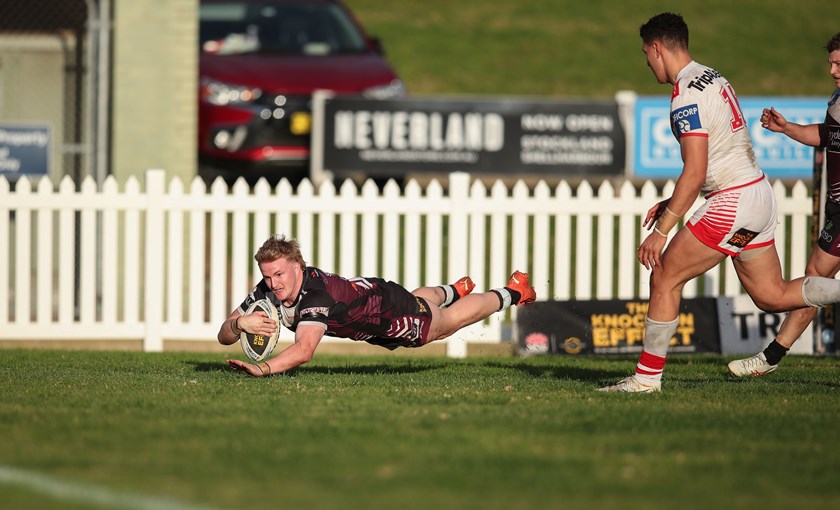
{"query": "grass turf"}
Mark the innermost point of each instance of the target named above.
(416, 433)
(569, 48)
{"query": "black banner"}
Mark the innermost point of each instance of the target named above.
(502, 136)
(611, 327)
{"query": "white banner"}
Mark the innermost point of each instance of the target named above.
(744, 329)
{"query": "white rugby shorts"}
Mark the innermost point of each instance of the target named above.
(739, 218)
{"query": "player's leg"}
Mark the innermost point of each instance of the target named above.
(762, 278)
(475, 307)
(445, 295)
(686, 257)
(820, 263)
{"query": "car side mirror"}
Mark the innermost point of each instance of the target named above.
(375, 44)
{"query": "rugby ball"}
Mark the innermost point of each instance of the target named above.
(259, 347)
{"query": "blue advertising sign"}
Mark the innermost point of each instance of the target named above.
(24, 149)
(657, 153)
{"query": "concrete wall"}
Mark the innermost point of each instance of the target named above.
(155, 73)
(32, 90)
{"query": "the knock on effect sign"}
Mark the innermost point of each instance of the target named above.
(24, 149)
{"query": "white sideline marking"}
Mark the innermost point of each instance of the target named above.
(88, 493)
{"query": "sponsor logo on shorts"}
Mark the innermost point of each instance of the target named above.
(826, 234)
(421, 306)
(742, 237)
(685, 119)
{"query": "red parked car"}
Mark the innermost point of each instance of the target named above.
(260, 62)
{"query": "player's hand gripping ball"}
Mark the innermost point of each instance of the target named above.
(256, 346)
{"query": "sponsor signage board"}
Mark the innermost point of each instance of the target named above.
(24, 149)
(612, 326)
(494, 136)
(744, 329)
(656, 153)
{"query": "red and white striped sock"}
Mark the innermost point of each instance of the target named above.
(652, 361)
(649, 368)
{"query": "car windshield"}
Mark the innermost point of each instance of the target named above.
(279, 27)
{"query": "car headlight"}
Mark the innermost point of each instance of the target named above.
(393, 89)
(221, 94)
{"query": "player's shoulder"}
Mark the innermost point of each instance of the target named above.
(315, 288)
(697, 80)
(834, 99)
(260, 291)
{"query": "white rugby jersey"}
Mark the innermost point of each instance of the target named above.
(703, 103)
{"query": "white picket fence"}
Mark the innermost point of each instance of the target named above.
(169, 263)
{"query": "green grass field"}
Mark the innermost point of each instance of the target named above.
(569, 48)
(179, 430)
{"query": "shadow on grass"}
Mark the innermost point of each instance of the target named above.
(208, 366)
(370, 369)
(574, 373)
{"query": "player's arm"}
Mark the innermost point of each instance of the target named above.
(236, 323)
(695, 155)
(307, 338)
(230, 330)
(815, 135)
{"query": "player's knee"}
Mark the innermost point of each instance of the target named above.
(768, 306)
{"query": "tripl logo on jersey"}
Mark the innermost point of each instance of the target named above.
(833, 139)
(685, 119)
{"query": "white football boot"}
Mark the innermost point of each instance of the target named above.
(632, 385)
(754, 365)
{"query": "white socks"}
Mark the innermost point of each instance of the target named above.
(652, 361)
(818, 291)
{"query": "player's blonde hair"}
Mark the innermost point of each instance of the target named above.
(277, 247)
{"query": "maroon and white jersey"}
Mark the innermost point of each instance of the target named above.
(373, 310)
(831, 142)
(703, 103)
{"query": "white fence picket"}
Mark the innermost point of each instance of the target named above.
(412, 256)
(23, 261)
(67, 256)
(541, 238)
(433, 235)
(88, 255)
(604, 252)
(162, 263)
(44, 260)
(584, 247)
(563, 243)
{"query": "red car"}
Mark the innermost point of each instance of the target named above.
(260, 62)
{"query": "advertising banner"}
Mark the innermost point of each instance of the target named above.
(388, 138)
(744, 329)
(24, 149)
(612, 326)
(656, 153)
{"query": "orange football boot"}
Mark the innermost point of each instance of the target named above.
(519, 282)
